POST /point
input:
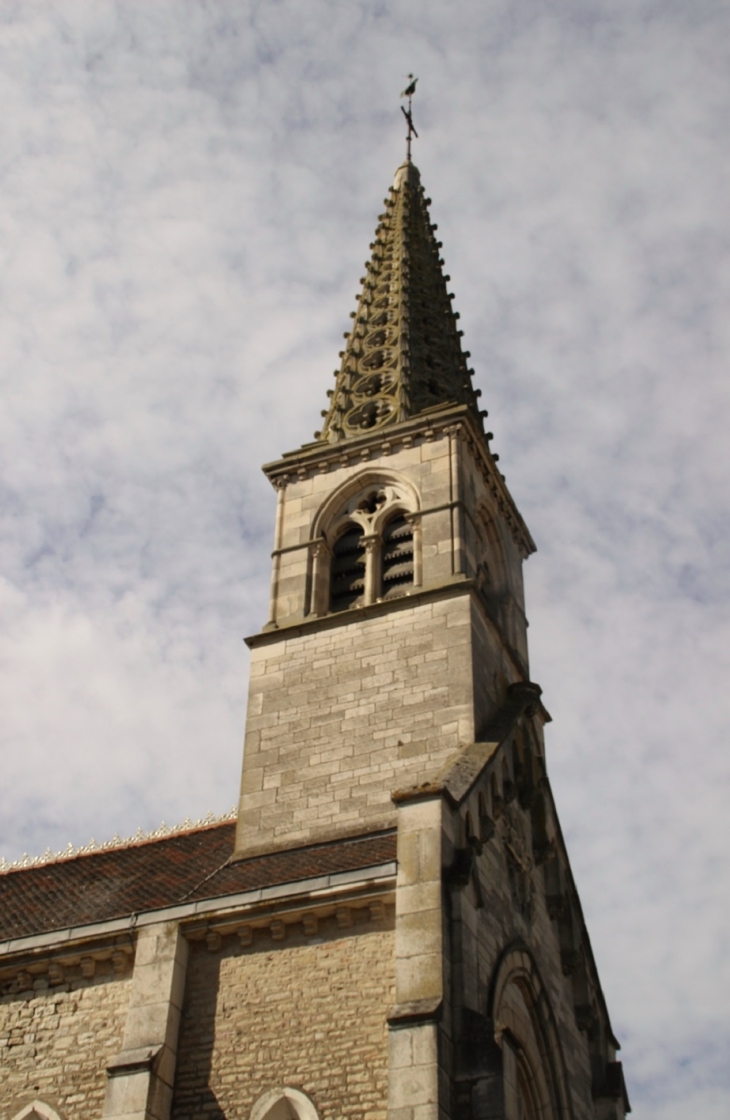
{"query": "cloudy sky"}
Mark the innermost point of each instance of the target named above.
(188, 193)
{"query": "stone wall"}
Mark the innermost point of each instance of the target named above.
(308, 1016)
(55, 1044)
(340, 717)
(511, 909)
(500, 923)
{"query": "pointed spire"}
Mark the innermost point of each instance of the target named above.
(403, 355)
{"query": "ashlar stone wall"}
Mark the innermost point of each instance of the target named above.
(55, 1044)
(311, 1016)
(340, 717)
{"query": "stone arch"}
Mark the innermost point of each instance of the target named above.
(284, 1104)
(336, 504)
(492, 558)
(368, 501)
(534, 1072)
(37, 1110)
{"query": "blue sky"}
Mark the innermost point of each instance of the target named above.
(188, 194)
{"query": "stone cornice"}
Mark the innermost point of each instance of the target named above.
(459, 585)
(320, 458)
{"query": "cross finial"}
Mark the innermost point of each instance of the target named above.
(408, 114)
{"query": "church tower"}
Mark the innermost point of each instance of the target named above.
(389, 929)
(390, 691)
(397, 621)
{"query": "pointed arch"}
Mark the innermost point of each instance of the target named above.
(534, 1068)
(356, 487)
(368, 542)
(284, 1104)
(37, 1110)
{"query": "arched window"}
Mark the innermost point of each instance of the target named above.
(367, 543)
(37, 1110)
(528, 1103)
(396, 557)
(533, 1068)
(284, 1104)
(347, 586)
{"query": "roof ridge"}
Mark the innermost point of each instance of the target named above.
(116, 842)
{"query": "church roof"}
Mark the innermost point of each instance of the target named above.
(183, 868)
(403, 356)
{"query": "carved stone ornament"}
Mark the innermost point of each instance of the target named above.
(514, 833)
(403, 354)
(368, 507)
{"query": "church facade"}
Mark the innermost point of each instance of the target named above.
(389, 927)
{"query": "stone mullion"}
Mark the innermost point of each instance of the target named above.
(373, 576)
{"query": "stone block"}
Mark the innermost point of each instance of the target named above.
(127, 1095)
(418, 977)
(147, 1024)
(419, 933)
(413, 1086)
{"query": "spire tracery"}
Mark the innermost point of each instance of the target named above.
(403, 355)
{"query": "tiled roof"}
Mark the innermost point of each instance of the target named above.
(186, 867)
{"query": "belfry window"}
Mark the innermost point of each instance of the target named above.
(347, 587)
(396, 557)
(366, 544)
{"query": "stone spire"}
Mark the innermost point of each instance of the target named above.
(403, 355)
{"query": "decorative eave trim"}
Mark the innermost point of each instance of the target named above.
(117, 841)
(325, 456)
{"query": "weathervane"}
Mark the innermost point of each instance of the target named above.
(408, 92)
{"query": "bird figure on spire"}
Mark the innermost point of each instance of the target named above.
(410, 88)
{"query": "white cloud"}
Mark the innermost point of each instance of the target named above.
(188, 192)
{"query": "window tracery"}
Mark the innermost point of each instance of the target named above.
(368, 544)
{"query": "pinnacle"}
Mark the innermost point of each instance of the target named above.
(403, 355)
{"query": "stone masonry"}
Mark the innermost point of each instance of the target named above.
(339, 717)
(302, 1014)
(344, 708)
(55, 1043)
